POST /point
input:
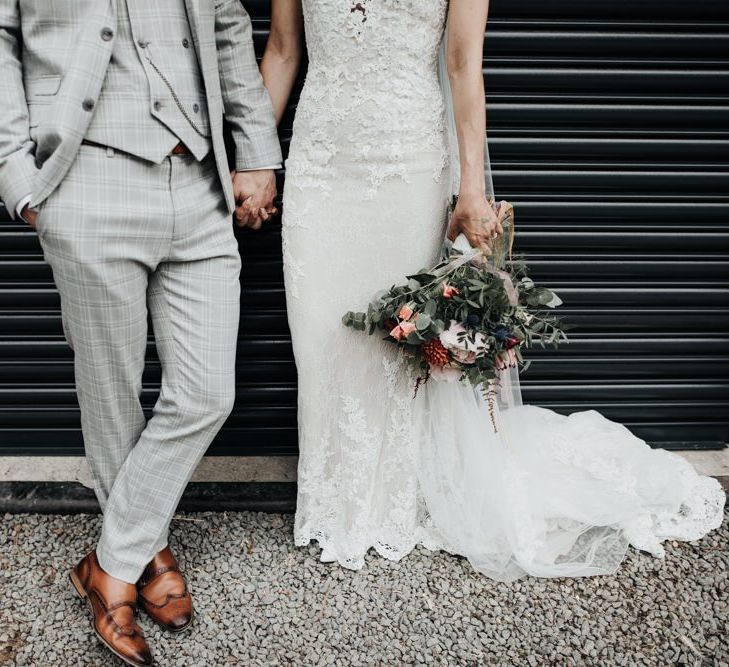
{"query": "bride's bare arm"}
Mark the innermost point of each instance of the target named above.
(473, 216)
(283, 54)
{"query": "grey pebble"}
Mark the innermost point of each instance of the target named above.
(263, 602)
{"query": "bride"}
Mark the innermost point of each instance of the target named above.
(368, 178)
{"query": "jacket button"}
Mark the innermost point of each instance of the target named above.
(157, 105)
(142, 44)
(186, 43)
(107, 34)
(196, 107)
(88, 104)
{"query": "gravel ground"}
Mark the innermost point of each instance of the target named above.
(260, 601)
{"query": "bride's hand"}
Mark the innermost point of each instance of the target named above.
(476, 220)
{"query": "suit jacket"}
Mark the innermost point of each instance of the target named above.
(53, 60)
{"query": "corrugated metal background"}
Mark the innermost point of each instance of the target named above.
(609, 126)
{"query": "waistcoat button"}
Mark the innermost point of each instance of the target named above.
(157, 105)
(107, 34)
(88, 104)
(142, 44)
(186, 43)
(196, 107)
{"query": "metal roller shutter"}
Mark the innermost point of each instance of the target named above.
(609, 129)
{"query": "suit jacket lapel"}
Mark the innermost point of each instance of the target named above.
(193, 16)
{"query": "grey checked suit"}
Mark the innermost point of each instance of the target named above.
(131, 231)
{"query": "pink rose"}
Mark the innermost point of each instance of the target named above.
(407, 328)
(397, 333)
(406, 312)
(449, 291)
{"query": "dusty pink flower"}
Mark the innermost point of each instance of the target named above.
(407, 328)
(506, 359)
(449, 291)
(459, 346)
(463, 356)
(406, 312)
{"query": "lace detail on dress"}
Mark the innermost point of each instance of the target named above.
(358, 17)
(293, 268)
(370, 119)
(700, 511)
(370, 473)
(372, 93)
(600, 462)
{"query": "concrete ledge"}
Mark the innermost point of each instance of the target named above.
(74, 498)
(62, 485)
(714, 463)
(211, 469)
(711, 463)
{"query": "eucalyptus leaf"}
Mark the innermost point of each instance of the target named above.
(554, 302)
(423, 321)
(544, 295)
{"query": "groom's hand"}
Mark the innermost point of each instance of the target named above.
(254, 192)
(29, 215)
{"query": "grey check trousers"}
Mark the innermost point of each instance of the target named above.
(127, 238)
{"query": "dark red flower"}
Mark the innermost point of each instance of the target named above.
(435, 353)
(511, 341)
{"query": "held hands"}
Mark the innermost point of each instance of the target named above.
(476, 219)
(254, 192)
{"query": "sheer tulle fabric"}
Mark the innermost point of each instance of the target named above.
(549, 495)
(364, 205)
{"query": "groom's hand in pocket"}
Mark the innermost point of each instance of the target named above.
(254, 193)
(29, 215)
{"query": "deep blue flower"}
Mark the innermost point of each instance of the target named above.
(473, 320)
(501, 333)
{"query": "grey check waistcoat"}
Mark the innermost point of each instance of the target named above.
(153, 95)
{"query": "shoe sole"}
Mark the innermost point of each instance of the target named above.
(78, 587)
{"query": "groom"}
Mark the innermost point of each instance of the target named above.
(111, 146)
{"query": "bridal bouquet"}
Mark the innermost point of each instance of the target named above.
(466, 318)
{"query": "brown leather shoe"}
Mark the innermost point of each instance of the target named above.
(113, 604)
(163, 593)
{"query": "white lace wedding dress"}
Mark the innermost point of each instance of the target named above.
(364, 205)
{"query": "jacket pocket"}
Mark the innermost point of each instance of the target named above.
(39, 93)
(42, 88)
